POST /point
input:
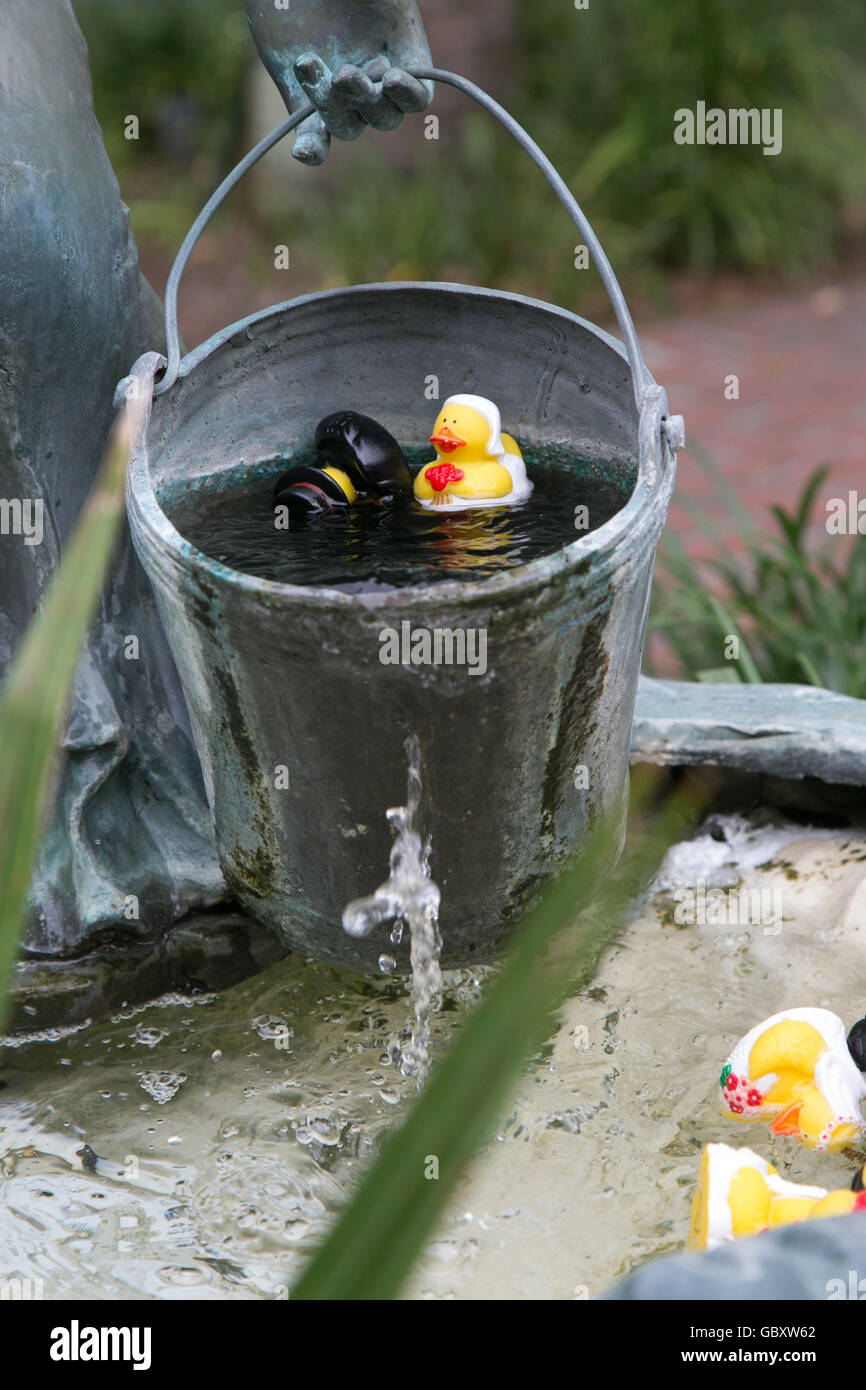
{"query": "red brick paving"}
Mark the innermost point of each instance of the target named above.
(799, 355)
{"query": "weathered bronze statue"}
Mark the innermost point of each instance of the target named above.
(129, 850)
(348, 58)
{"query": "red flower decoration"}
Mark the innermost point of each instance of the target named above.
(441, 474)
(736, 1107)
(754, 1098)
(732, 1082)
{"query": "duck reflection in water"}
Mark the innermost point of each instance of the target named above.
(474, 539)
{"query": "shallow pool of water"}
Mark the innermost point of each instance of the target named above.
(198, 1147)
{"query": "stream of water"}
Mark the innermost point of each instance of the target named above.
(408, 895)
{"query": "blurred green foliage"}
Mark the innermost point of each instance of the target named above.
(797, 605)
(604, 84)
(179, 66)
(597, 87)
(462, 213)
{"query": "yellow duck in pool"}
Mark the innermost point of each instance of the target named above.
(476, 465)
(795, 1069)
(740, 1194)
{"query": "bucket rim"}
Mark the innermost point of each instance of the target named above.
(197, 355)
(644, 511)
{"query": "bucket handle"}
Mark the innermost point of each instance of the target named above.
(641, 379)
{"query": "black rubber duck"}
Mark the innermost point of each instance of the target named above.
(857, 1044)
(355, 455)
(857, 1048)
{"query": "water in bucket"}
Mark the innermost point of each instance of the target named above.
(372, 546)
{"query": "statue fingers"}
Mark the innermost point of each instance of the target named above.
(312, 141)
(314, 76)
(406, 92)
(377, 67)
(340, 119)
(366, 97)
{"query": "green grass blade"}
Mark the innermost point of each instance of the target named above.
(809, 668)
(374, 1244)
(730, 629)
(745, 521)
(800, 603)
(37, 689)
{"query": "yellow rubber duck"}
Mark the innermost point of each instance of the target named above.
(476, 465)
(795, 1070)
(740, 1194)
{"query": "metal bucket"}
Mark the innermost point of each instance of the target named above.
(518, 761)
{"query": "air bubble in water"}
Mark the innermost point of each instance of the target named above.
(161, 1086)
(386, 964)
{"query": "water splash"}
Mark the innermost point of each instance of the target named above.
(408, 897)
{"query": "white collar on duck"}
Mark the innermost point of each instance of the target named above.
(490, 412)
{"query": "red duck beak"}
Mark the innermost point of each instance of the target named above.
(446, 440)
